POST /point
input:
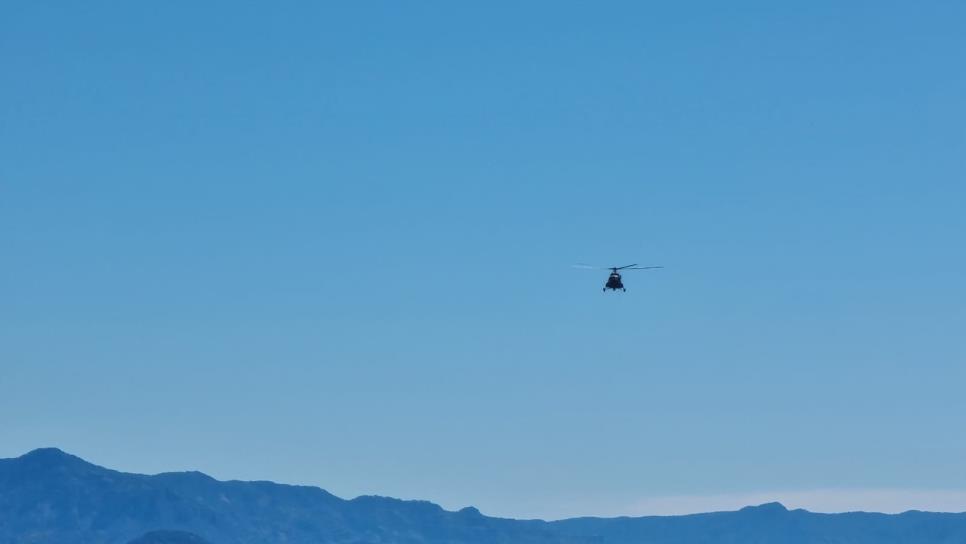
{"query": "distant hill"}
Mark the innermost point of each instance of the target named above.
(169, 537)
(50, 497)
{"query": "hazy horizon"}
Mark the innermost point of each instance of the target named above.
(830, 501)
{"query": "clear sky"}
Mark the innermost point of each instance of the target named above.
(330, 244)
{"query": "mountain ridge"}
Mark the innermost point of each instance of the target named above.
(48, 496)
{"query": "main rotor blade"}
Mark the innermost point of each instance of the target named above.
(584, 266)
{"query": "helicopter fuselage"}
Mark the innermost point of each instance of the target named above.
(614, 282)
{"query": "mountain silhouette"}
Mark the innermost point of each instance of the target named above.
(50, 497)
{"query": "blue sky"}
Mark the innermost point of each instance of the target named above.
(330, 244)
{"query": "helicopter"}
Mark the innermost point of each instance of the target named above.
(614, 281)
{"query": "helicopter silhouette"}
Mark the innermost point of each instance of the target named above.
(614, 281)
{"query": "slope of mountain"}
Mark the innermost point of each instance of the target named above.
(50, 497)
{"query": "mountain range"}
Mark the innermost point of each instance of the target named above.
(50, 497)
